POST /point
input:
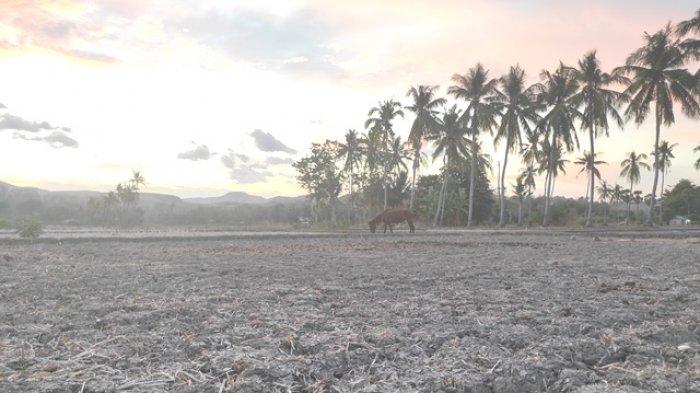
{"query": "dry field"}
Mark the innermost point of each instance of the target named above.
(469, 312)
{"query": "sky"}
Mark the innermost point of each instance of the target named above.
(206, 97)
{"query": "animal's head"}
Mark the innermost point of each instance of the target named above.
(372, 226)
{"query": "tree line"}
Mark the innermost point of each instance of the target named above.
(537, 124)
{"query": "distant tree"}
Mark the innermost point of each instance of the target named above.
(605, 194)
(477, 90)
(597, 101)
(665, 157)
(350, 152)
(520, 192)
(425, 107)
(589, 165)
(558, 92)
(683, 199)
(515, 105)
(319, 175)
(450, 143)
(631, 170)
(527, 177)
(381, 118)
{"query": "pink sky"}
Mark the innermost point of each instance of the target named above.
(148, 83)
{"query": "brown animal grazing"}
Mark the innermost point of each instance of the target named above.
(393, 216)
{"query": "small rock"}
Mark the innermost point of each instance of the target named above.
(596, 239)
(684, 347)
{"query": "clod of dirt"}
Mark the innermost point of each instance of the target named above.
(596, 239)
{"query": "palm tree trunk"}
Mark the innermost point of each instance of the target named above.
(502, 220)
(661, 197)
(546, 199)
(440, 198)
(472, 177)
(529, 209)
(444, 196)
(629, 204)
(591, 187)
(416, 164)
(442, 192)
(520, 212)
(650, 218)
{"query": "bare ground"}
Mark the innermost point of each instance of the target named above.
(474, 312)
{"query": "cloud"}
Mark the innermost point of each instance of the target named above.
(278, 161)
(2, 106)
(268, 143)
(243, 170)
(12, 122)
(199, 153)
(56, 139)
(297, 42)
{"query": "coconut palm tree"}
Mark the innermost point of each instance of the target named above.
(631, 170)
(588, 164)
(452, 144)
(558, 90)
(527, 177)
(697, 162)
(597, 102)
(658, 76)
(425, 107)
(515, 105)
(476, 89)
(605, 193)
(665, 156)
(350, 151)
(381, 118)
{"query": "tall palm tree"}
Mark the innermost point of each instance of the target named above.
(631, 170)
(476, 89)
(558, 90)
(597, 102)
(350, 151)
(381, 118)
(588, 164)
(451, 143)
(665, 156)
(605, 193)
(658, 77)
(425, 107)
(515, 105)
(697, 162)
(527, 177)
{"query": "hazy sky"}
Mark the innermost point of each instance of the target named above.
(210, 96)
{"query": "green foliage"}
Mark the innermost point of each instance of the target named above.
(320, 176)
(29, 229)
(682, 200)
(119, 207)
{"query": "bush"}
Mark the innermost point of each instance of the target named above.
(30, 229)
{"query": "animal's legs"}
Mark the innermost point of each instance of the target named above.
(411, 227)
(385, 227)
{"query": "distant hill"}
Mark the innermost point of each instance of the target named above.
(71, 206)
(237, 197)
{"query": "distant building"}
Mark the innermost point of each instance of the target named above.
(679, 221)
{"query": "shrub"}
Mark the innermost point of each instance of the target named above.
(30, 229)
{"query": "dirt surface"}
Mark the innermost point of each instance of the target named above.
(450, 313)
